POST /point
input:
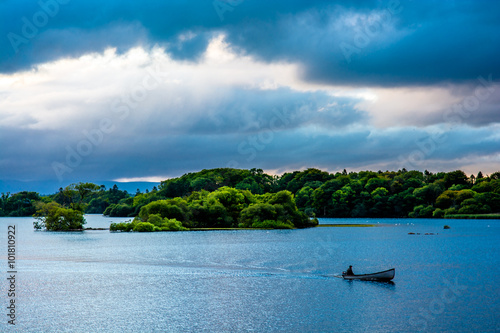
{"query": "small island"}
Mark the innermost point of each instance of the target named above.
(224, 208)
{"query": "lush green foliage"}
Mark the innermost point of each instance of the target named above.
(172, 225)
(122, 226)
(228, 198)
(144, 227)
(473, 216)
(53, 217)
(155, 223)
(93, 199)
(399, 194)
(228, 207)
(225, 207)
(19, 204)
(254, 180)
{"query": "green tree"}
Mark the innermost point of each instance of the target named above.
(438, 213)
(249, 184)
(428, 193)
(422, 211)
(491, 200)
(176, 208)
(85, 189)
(203, 183)
(402, 203)
(303, 197)
(256, 213)
(375, 183)
(446, 199)
(119, 210)
(53, 217)
(19, 204)
(457, 177)
(233, 200)
(322, 197)
(342, 201)
(379, 198)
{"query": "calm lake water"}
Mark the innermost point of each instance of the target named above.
(260, 281)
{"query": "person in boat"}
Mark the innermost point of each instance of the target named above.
(349, 271)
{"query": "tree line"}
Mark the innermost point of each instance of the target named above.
(314, 193)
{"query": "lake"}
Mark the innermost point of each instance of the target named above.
(256, 280)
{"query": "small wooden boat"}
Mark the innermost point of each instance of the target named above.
(387, 275)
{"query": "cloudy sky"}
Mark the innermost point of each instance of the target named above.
(129, 90)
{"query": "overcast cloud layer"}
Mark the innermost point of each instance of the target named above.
(127, 90)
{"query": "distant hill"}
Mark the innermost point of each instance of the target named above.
(51, 187)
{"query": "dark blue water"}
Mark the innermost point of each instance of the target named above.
(260, 281)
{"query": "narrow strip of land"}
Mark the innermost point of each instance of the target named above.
(473, 216)
(346, 225)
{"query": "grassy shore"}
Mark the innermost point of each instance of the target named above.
(210, 229)
(472, 216)
(345, 225)
(320, 225)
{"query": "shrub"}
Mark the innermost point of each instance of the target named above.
(155, 219)
(122, 226)
(421, 211)
(450, 211)
(257, 213)
(438, 213)
(144, 227)
(272, 224)
(172, 225)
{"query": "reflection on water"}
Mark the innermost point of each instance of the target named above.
(256, 280)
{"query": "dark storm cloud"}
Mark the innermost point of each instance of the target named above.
(248, 111)
(25, 22)
(192, 127)
(391, 44)
(386, 43)
(120, 155)
(153, 143)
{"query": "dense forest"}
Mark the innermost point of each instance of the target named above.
(209, 198)
(226, 207)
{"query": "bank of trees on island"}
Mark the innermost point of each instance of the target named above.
(225, 207)
(229, 198)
